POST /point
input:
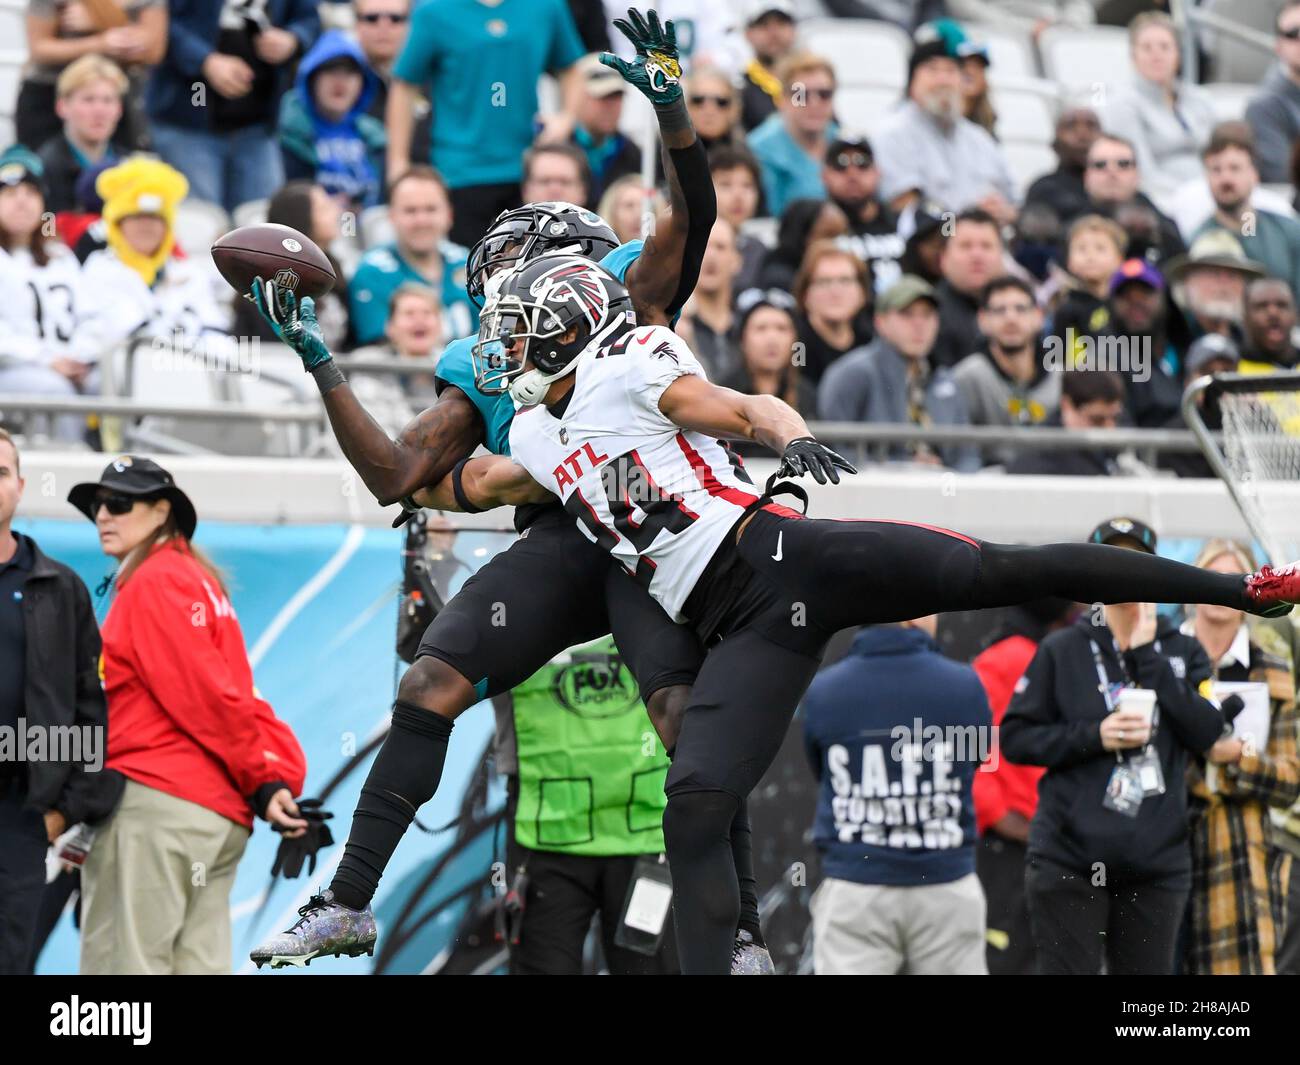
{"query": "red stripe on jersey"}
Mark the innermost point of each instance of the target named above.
(783, 512)
(659, 491)
(704, 474)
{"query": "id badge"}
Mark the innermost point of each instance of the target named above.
(1147, 767)
(1123, 791)
(646, 908)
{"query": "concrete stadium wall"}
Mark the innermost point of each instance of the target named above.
(991, 506)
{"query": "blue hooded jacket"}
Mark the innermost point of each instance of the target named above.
(894, 732)
(345, 157)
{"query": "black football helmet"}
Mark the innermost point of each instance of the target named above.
(532, 230)
(519, 348)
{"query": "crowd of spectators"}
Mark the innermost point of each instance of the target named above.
(923, 282)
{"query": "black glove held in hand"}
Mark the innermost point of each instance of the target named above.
(807, 455)
(293, 853)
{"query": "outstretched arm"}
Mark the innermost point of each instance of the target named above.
(481, 484)
(423, 452)
(663, 277)
(694, 403)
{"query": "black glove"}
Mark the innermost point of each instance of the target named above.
(808, 455)
(293, 853)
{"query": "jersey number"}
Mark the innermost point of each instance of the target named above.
(629, 488)
(53, 318)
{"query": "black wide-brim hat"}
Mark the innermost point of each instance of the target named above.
(135, 476)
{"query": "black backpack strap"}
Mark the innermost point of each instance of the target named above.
(774, 487)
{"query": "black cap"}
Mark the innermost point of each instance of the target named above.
(848, 142)
(924, 51)
(1120, 528)
(752, 299)
(135, 476)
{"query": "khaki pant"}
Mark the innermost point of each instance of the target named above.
(883, 929)
(155, 889)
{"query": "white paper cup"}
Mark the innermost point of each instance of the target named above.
(1138, 700)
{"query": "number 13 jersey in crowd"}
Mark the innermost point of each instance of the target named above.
(660, 499)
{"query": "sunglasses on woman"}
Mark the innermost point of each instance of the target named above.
(700, 99)
(396, 18)
(118, 503)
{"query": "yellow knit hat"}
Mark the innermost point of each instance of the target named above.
(141, 185)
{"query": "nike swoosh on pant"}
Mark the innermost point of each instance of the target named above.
(779, 536)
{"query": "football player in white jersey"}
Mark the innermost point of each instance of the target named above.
(620, 422)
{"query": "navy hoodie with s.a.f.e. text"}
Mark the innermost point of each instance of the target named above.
(895, 732)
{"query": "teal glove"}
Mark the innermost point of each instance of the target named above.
(296, 326)
(656, 72)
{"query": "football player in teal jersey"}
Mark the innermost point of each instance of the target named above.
(543, 584)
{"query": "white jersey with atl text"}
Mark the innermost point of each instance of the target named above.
(660, 499)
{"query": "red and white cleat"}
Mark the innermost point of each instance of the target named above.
(1273, 591)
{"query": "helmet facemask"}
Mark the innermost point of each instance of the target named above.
(518, 338)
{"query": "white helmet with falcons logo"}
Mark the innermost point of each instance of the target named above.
(539, 318)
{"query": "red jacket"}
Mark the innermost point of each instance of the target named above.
(1008, 787)
(183, 715)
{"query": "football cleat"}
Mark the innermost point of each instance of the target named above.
(750, 959)
(324, 927)
(1272, 592)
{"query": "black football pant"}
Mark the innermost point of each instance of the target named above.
(807, 579)
(550, 590)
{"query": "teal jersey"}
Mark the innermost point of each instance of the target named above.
(479, 64)
(456, 365)
(383, 269)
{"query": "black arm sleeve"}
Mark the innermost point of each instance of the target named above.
(692, 167)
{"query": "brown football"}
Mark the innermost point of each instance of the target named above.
(274, 253)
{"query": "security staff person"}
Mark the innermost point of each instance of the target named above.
(49, 679)
(586, 801)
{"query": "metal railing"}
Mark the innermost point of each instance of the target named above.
(855, 437)
(1147, 444)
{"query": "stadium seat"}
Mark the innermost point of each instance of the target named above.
(198, 224)
(13, 25)
(1028, 161)
(862, 51)
(1078, 59)
(251, 213)
(374, 226)
(764, 229)
(337, 16)
(11, 74)
(1011, 55)
(1230, 98)
(864, 107)
(1232, 60)
(1024, 116)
